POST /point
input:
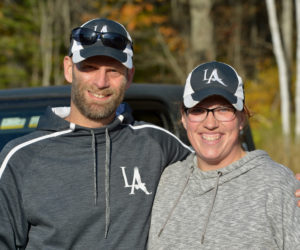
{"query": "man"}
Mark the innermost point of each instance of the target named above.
(86, 178)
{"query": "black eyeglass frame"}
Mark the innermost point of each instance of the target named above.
(186, 110)
(94, 36)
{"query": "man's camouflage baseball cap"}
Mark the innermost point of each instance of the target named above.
(101, 37)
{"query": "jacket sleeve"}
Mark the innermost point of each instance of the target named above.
(284, 214)
(174, 149)
(13, 224)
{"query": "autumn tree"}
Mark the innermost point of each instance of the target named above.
(297, 94)
(282, 67)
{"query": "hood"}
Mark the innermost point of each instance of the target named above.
(206, 179)
(54, 120)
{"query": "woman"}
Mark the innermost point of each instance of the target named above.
(222, 197)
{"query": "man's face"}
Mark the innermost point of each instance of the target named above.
(98, 87)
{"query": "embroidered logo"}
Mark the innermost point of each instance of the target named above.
(213, 77)
(104, 28)
(136, 183)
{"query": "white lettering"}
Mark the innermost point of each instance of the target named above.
(104, 28)
(136, 181)
(213, 77)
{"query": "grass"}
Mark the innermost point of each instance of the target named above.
(272, 141)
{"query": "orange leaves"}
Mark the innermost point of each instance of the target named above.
(128, 14)
(136, 15)
(172, 38)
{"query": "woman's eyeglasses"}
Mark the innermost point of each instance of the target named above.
(88, 37)
(222, 114)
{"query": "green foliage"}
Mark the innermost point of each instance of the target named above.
(18, 44)
(272, 141)
(262, 96)
(156, 27)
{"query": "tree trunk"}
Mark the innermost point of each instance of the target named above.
(46, 39)
(202, 37)
(282, 68)
(237, 58)
(35, 79)
(297, 94)
(62, 28)
(287, 28)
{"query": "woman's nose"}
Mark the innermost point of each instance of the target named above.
(210, 121)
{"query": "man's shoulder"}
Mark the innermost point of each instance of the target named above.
(146, 125)
(180, 168)
(157, 133)
(151, 129)
(23, 142)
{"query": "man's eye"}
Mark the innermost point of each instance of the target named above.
(87, 67)
(114, 72)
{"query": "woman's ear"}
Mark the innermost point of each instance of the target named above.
(243, 120)
(183, 119)
(68, 65)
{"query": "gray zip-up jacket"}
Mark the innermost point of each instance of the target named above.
(69, 187)
(249, 204)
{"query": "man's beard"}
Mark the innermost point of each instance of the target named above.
(93, 110)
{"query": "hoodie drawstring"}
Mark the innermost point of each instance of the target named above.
(211, 207)
(95, 168)
(175, 204)
(107, 182)
(107, 177)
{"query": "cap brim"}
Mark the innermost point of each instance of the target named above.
(193, 99)
(85, 53)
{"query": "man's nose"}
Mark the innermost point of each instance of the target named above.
(101, 79)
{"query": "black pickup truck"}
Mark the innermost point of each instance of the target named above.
(20, 109)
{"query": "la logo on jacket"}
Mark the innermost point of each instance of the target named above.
(136, 183)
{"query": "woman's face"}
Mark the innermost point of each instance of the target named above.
(216, 142)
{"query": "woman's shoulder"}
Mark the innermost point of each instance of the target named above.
(273, 173)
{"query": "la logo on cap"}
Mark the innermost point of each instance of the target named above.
(213, 77)
(104, 28)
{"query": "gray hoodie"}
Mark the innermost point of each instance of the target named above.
(70, 187)
(249, 204)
